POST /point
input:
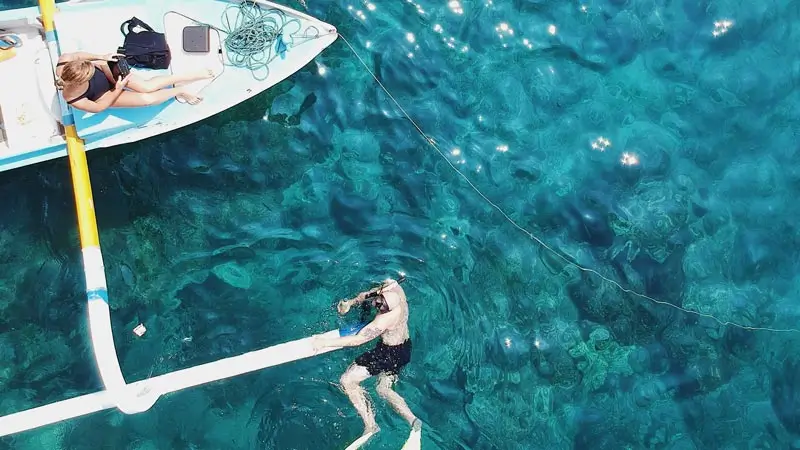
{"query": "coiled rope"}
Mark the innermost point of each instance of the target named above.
(565, 257)
(255, 36)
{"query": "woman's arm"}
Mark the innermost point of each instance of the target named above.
(100, 105)
(104, 102)
(79, 56)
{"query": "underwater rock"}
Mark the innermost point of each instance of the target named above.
(594, 429)
(141, 444)
(647, 392)
(8, 355)
(558, 367)
(450, 409)
(285, 110)
(592, 365)
(588, 224)
(233, 274)
(681, 442)
(127, 275)
(235, 252)
(650, 358)
(601, 303)
(623, 35)
(649, 218)
(653, 144)
(287, 413)
(785, 394)
(739, 342)
(670, 65)
(449, 391)
(600, 338)
(680, 342)
(710, 372)
(753, 254)
(508, 348)
(452, 390)
(351, 214)
(557, 334)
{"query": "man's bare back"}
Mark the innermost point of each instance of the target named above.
(396, 320)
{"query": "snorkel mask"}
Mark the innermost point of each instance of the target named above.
(381, 304)
(379, 300)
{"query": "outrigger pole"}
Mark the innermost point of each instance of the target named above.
(94, 271)
(144, 393)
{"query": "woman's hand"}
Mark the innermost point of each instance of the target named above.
(112, 56)
(122, 82)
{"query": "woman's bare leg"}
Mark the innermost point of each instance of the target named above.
(131, 99)
(157, 83)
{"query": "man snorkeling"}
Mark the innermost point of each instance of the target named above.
(390, 355)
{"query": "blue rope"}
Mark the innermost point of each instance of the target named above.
(257, 36)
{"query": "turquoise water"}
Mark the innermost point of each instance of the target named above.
(241, 232)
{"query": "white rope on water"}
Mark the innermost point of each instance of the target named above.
(142, 395)
(533, 237)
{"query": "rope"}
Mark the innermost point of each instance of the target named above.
(255, 37)
(567, 259)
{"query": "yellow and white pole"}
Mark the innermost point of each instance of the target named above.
(105, 352)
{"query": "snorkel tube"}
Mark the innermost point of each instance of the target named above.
(375, 294)
(349, 329)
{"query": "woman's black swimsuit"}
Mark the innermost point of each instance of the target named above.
(98, 85)
(388, 359)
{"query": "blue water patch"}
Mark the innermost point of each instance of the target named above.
(652, 144)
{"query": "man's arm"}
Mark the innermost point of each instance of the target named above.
(368, 333)
(363, 296)
(345, 305)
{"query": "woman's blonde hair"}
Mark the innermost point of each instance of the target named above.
(75, 72)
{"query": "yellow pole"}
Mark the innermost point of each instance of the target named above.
(94, 271)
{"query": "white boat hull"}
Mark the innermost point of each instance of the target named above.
(29, 109)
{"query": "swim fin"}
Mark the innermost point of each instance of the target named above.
(359, 442)
(414, 441)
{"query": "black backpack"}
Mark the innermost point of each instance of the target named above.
(146, 49)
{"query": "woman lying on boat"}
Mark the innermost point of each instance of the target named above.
(88, 84)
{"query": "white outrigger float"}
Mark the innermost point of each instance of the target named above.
(38, 125)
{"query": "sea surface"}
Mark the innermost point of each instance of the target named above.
(608, 202)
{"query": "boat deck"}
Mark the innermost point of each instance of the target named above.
(30, 111)
(106, 18)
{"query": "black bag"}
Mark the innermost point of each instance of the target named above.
(146, 49)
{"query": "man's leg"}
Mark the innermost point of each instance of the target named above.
(351, 384)
(394, 399)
